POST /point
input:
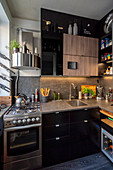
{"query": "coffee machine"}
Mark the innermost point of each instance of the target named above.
(100, 91)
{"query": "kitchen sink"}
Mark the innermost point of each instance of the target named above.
(76, 103)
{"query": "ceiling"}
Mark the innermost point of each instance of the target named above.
(30, 9)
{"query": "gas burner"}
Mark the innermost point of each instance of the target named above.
(30, 114)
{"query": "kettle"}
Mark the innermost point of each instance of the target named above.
(20, 100)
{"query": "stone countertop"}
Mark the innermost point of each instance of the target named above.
(54, 106)
(3, 111)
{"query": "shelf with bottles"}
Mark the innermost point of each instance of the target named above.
(51, 28)
(106, 58)
(106, 44)
(108, 71)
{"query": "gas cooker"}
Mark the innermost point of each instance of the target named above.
(28, 114)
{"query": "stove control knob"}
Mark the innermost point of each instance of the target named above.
(37, 119)
(14, 121)
(24, 120)
(33, 119)
(28, 120)
(19, 121)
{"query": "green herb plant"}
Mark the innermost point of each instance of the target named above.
(85, 90)
(13, 44)
(90, 91)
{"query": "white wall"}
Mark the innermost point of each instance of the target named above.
(4, 40)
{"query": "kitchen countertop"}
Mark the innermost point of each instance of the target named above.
(54, 106)
(3, 111)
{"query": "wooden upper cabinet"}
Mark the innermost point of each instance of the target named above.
(86, 65)
(90, 47)
(79, 45)
(67, 44)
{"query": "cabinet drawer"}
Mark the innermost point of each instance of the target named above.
(79, 115)
(55, 151)
(55, 131)
(55, 118)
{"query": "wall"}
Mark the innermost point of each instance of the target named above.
(4, 40)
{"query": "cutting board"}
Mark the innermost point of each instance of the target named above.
(93, 87)
(6, 100)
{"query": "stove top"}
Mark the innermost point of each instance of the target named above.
(23, 110)
(28, 114)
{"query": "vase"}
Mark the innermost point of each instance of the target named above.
(15, 50)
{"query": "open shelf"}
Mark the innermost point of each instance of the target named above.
(106, 49)
(106, 36)
(108, 122)
(107, 61)
(25, 68)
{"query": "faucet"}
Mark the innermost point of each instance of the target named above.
(74, 87)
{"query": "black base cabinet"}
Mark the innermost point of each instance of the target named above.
(56, 151)
(70, 135)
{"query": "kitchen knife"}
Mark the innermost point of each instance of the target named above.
(9, 70)
(4, 57)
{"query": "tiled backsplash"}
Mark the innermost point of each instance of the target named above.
(27, 85)
(62, 84)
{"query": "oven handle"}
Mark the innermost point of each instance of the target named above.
(22, 127)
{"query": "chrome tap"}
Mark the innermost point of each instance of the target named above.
(74, 87)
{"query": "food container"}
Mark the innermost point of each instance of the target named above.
(20, 60)
(102, 44)
(106, 42)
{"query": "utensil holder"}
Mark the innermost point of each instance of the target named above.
(44, 99)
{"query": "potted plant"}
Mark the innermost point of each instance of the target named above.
(14, 45)
(85, 92)
(91, 93)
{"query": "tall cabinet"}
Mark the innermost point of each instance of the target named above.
(81, 52)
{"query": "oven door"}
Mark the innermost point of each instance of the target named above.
(22, 142)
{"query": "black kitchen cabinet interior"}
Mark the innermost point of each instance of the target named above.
(52, 56)
(70, 135)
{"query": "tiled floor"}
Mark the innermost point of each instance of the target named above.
(93, 162)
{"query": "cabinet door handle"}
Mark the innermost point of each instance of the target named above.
(57, 138)
(85, 121)
(57, 125)
(85, 109)
(57, 112)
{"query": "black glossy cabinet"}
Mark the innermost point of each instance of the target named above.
(70, 135)
(84, 132)
(55, 137)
